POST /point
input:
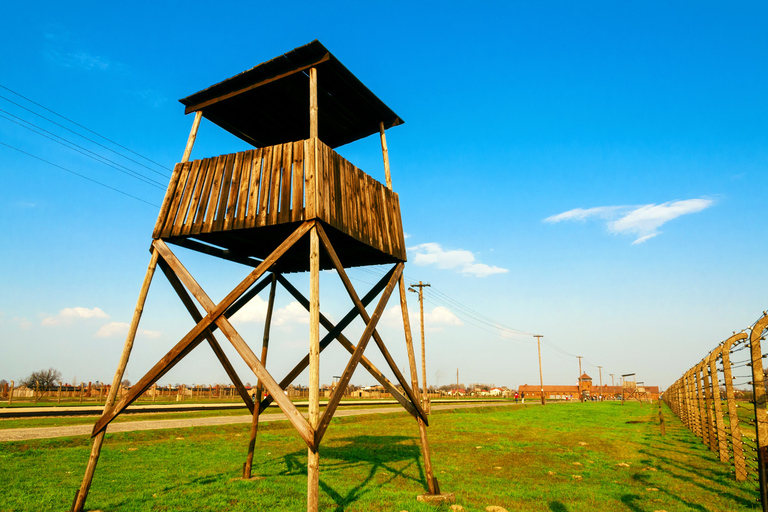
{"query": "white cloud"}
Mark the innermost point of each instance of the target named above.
(256, 311)
(113, 329)
(68, 315)
(464, 261)
(434, 320)
(293, 313)
(440, 316)
(643, 221)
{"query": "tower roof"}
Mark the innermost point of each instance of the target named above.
(269, 103)
(584, 376)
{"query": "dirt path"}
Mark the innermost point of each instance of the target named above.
(25, 434)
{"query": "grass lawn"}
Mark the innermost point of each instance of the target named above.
(562, 457)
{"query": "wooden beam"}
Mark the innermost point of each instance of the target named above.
(90, 469)
(333, 403)
(434, 487)
(207, 103)
(385, 154)
(196, 316)
(313, 456)
(192, 136)
(313, 133)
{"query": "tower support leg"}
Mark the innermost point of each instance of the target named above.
(259, 387)
(82, 494)
(313, 454)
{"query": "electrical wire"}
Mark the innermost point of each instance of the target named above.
(166, 175)
(79, 175)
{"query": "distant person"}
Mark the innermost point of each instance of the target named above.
(516, 397)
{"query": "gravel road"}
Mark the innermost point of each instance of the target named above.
(25, 434)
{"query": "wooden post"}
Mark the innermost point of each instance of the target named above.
(702, 404)
(708, 402)
(154, 391)
(37, 392)
(313, 128)
(739, 464)
(661, 420)
(58, 396)
(259, 390)
(541, 375)
(385, 155)
(313, 455)
(761, 415)
(192, 136)
(99, 438)
(10, 394)
(717, 402)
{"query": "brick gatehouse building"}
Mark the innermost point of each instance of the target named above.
(585, 388)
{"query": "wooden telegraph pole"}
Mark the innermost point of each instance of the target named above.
(425, 396)
(581, 395)
(541, 375)
(602, 393)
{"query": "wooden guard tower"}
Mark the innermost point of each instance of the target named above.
(292, 204)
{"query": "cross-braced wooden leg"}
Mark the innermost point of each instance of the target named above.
(196, 316)
(82, 494)
(265, 344)
(288, 408)
(215, 314)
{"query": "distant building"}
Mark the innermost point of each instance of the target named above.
(584, 388)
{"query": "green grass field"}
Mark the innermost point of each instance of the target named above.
(563, 457)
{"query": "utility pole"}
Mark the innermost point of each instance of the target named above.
(612, 374)
(602, 394)
(541, 375)
(581, 395)
(425, 398)
(457, 382)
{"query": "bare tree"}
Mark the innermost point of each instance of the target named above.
(126, 383)
(44, 378)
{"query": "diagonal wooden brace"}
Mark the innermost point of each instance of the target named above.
(333, 331)
(364, 315)
(285, 404)
(196, 316)
(333, 403)
(197, 334)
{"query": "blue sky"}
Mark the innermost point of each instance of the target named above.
(589, 172)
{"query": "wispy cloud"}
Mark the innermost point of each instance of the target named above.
(457, 259)
(113, 329)
(68, 315)
(642, 221)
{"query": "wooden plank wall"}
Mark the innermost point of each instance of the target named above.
(276, 185)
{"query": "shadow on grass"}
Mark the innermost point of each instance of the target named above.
(386, 455)
(556, 506)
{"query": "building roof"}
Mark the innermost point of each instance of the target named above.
(584, 376)
(269, 103)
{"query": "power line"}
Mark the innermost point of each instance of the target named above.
(83, 136)
(80, 149)
(79, 175)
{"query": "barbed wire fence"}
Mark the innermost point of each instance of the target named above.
(722, 400)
